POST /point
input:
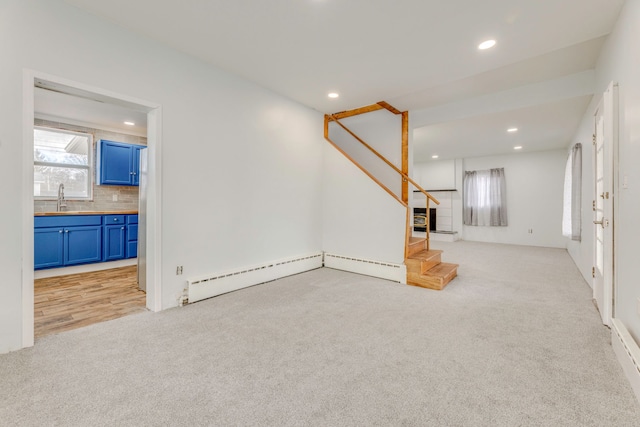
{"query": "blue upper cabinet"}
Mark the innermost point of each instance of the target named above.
(136, 164)
(118, 163)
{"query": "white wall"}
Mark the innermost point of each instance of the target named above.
(241, 166)
(436, 174)
(382, 130)
(445, 174)
(361, 220)
(534, 198)
(620, 62)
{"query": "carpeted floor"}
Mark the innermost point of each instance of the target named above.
(513, 341)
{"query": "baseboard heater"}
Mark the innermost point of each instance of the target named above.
(383, 270)
(221, 283)
(628, 354)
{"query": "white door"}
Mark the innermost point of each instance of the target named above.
(604, 141)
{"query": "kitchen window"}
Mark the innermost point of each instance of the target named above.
(62, 157)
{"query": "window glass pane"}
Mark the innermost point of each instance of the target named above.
(60, 147)
(48, 178)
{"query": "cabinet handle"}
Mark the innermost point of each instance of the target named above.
(115, 219)
(60, 231)
(122, 228)
(130, 173)
(66, 231)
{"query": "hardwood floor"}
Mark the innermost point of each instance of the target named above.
(69, 302)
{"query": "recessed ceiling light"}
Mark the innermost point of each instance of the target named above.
(512, 130)
(488, 44)
(435, 156)
(518, 147)
(333, 95)
(129, 123)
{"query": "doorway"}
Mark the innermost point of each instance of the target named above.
(85, 264)
(152, 201)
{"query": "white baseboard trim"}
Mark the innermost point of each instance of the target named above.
(380, 269)
(628, 354)
(85, 268)
(223, 282)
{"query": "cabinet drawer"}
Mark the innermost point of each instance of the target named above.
(132, 219)
(114, 219)
(66, 221)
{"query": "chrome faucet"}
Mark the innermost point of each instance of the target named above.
(61, 202)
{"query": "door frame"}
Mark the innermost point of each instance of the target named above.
(609, 107)
(154, 190)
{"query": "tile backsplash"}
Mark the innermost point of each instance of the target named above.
(102, 194)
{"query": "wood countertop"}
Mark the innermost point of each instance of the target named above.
(131, 212)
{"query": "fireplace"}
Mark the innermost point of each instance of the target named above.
(420, 218)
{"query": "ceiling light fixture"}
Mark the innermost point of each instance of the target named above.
(435, 156)
(518, 147)
(129, 123)
(488, 44)
(333, 95)
(512, 130)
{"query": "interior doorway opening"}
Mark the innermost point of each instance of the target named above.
(148, 211)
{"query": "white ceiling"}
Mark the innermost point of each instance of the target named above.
(485, 135)
(419, 55)
(53, 105)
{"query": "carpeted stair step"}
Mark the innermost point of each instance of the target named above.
(423, 261)
(436, 278)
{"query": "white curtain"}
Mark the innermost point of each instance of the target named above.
(485, 198)
(572, 206)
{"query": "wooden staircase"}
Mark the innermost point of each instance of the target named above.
(425, 268)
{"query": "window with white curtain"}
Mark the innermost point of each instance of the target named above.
(485, 198)
(572, 204)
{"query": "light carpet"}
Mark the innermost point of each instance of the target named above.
(515, 340)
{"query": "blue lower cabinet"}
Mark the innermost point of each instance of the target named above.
(114, 242)
(132, 249)
(83, 239)
(82, 245)
(132, 237)
(49, 247)
(66, 240)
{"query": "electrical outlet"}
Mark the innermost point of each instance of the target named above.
(115, 197)
(178, 270)
(530, 231)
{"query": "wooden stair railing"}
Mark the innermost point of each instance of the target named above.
(424, 266)
(405, 177)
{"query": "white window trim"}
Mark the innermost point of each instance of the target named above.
(90, 167)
